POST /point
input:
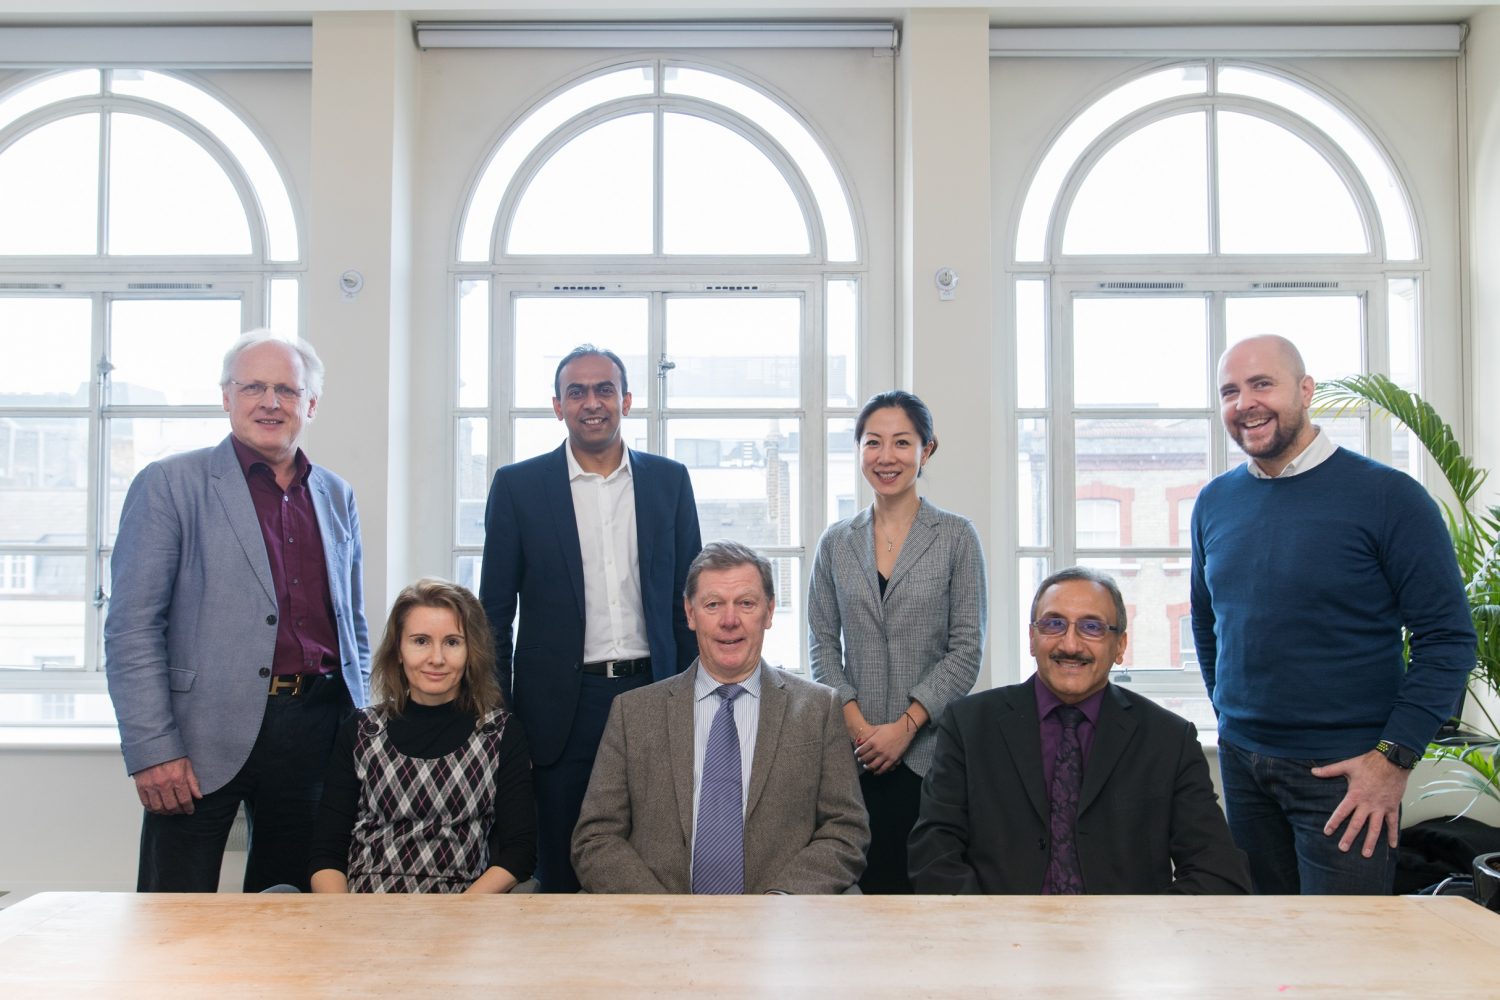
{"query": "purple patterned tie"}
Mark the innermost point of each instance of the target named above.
(1063, 874)
(719, 840)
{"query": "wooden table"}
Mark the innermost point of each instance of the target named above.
(282, 946)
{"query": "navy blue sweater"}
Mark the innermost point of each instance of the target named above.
(1300, 587)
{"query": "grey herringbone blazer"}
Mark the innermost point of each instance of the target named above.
(922, 642)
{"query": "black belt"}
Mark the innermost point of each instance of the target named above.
(296, 684)
(619, 668)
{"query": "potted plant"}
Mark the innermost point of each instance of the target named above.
(1475, 531)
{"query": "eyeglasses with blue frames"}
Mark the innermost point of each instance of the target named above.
(257, 390)
(1087, 628)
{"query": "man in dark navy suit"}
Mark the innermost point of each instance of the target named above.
(594, 540)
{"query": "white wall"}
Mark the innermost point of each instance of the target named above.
(1481, 273)
(1482, 66)
(72, 821)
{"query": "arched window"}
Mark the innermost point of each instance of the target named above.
(145, 226)
(1180, 211)
(696, 224)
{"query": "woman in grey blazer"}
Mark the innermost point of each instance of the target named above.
(896, 619)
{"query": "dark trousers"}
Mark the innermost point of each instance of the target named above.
(891, 799)
(560, 786)
(280, 785)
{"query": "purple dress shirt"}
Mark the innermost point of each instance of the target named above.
(307, 640)
(1047, 704)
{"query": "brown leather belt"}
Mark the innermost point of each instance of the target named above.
(294, 684)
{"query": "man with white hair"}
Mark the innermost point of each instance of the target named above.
(236, 640)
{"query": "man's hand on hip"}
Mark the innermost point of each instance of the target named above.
(1373, 800)
(168, 788)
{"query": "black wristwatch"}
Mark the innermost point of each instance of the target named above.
(1398, 754)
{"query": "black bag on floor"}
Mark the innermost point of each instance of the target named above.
(1434, 849)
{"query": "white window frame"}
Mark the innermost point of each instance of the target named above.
(1218, 276)
(661, 276)
(103, 278)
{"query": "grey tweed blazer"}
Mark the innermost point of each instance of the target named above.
(806, 830)
(923, 641)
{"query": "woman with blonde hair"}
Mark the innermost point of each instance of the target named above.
(429, 789)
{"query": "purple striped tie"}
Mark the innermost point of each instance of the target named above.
(719, 841)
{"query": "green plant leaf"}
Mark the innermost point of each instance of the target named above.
(1474, 533)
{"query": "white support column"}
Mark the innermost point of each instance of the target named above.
(1482, 253)
(359, 219)
(945, 347)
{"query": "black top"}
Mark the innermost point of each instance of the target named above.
(884, 581)
(428, 732)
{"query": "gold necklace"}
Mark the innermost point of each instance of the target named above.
(890, 542)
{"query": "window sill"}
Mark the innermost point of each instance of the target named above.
(33, 737)
(59, 714)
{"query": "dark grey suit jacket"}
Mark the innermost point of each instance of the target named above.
(805, 824)
(1148, 818)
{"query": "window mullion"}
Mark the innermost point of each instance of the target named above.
(95, 587)
(101, 224)
(813, 432)
(1211, 134)
(502, 389)
(1218, 339)
(658, 169)
(656, 350)
(1064, 455)
(1375, 316)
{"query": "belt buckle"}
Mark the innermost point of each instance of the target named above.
(609, 669)
(286, 684)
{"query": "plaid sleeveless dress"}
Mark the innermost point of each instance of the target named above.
(423, 825)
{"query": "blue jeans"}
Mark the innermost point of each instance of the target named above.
(1276, 811)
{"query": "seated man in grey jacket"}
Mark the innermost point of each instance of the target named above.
(732, 777)
(1067, 783)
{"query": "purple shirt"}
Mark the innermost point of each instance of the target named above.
(307, 641)
(1047, 705)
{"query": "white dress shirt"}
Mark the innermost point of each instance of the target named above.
(746, 719)
(614, 619)
(1315, 454)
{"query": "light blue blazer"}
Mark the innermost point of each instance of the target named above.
(923, 641)
(192, 611)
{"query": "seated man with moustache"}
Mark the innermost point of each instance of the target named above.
(1067, 784)
(733, 777)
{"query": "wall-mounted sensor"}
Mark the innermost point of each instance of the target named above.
(350, 282)
(946, 280)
